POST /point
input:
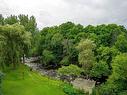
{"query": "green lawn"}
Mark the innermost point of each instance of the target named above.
(32, 84)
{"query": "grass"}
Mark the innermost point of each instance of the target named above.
(29, 83)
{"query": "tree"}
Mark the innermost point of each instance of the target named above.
(106, 54)
(57, 46)
(30, 25)
(121, 43)
(119, 66)
(1, 20)
(11, 20)
(100, 69)
(86, 55)
(65, 61)
(65, 28)
(80, 35)
(47, 57)
(117, 82)
(69, 51)
(14, 43)
(106, 34)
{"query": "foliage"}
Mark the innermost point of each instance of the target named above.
(116, 84)
(47, 57)
(15, 42)
(85, 45)
(100, 69)
(11, 20)
(107, 54)
(106, 34)
(121, 43)
(70, 70)
(29, 24)
(65, 61)
(86, 54)
(1, 20)
(69, 90)
(119, 67)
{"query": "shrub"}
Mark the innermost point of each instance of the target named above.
(47, 57)
(65, 61)
(100, 69)
(70, 70)
(69, 90)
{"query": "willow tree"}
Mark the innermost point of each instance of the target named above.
(14, 43)
(86, 55)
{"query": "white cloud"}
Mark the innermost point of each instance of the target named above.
(52, 12)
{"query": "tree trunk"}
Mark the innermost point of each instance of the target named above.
(23, 58)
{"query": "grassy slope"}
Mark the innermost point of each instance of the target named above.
(32, 84)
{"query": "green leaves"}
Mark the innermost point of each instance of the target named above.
(85, 45)
(65, 61)
(47, 56)
(121, 43)
(119, 66)
(70, 90)
(70, 70)
(106, 54)
(86, 55)
(57, 39)
(100, 69)
(11, 20)
(117, 82)
(16, 42)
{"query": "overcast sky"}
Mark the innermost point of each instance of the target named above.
(53, 12)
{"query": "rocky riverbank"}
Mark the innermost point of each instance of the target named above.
(80, 83)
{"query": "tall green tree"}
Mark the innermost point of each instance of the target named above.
(14, 43)
(30, 25)
(116, 84)
(106, 54)
(86, 55)
(47, 57)
(121, 43)
(1, 20)
(11, 20)
(100, 69)
(28, 22)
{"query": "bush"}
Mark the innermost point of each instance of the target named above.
(47, 57)
(70, 70)
(100, 69)
(69, 90)
(65, 61)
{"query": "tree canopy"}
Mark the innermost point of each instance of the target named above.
(14, 43)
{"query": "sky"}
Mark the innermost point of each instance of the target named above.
(55, 12)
